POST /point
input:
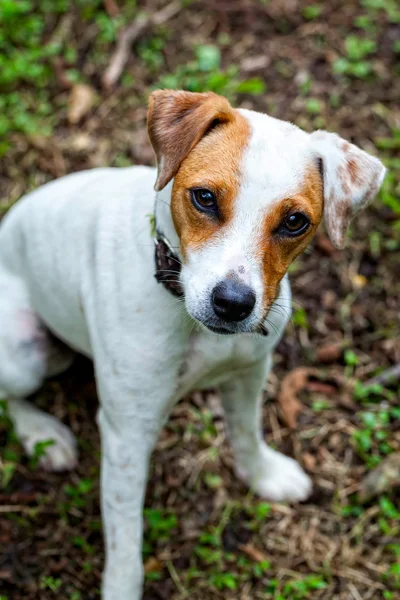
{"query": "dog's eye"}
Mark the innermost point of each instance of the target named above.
(204, 200)
(295, 224)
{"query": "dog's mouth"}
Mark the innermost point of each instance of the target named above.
(221, 330)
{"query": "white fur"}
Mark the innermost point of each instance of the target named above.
(77, 256)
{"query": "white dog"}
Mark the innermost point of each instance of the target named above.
(239, 196)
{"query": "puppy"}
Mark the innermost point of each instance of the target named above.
(238, 196)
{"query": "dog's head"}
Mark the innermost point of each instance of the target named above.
(248, 194)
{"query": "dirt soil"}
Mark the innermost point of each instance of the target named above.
(206, 536)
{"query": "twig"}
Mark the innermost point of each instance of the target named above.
(354, 591)
(129, 35)
(391, 374)
(8, 508)
(176, 580)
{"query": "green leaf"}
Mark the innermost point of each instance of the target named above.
(208, 57)
(312, 11)
(357, 47)
(254, 86)
(351, 358)
(313, 106)
(388, 509)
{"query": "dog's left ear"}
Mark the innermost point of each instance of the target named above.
(176, 122)
(351, 178)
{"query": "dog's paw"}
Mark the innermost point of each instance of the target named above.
(36, 428)
(277, 477)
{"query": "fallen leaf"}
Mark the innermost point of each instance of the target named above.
(382, 479)
(329, 353)
(309, 461)
(321, 388)
(81, 100)
(292, 384)
(152, 565)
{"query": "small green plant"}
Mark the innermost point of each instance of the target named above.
(150, 51)
(11, 451)
(313, 106)
(260, 511)
(213, 481)
(224, 581)
(39, 451)
(320, 405)
(159, 525)
(80, 542)
(296, 589)
(371, 440)
(390, 7)
(204, 425)
(351, 360)
(367, 392)
(299, 318)
(355, 62)
(312, 11)
(50, 583)
(77, 494)
(302, 588)
(24, 61)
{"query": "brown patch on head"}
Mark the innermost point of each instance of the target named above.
(214, 164)
(176, 121)
(276, 251)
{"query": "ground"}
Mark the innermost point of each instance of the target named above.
(327, 65)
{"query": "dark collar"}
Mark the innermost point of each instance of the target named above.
(168, 266)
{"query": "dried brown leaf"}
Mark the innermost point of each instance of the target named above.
(152, 565)
(292, 384)
(329, 353)
(81, 100)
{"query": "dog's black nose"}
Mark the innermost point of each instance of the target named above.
(233, 300)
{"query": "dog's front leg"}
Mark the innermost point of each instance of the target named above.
(270, 474)
(129, 426)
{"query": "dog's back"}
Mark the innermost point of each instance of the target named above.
(50, 236)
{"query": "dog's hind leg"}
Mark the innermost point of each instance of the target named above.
(28, 354)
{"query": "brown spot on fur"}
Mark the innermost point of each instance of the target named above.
(346, 147)
(353, 170)
(343, 177)
(214, 163)
(278, 252)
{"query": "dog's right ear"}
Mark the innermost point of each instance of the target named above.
(176, 122)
